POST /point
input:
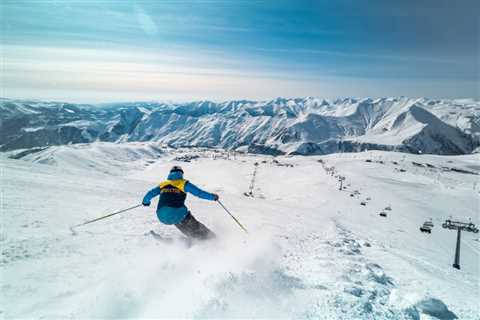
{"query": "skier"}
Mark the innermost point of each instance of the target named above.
(171, 205)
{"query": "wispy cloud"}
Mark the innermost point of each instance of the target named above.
(242, 48)
(147, 24)
(353, 54)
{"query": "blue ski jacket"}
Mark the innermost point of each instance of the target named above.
(173, 215)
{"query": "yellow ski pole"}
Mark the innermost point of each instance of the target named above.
(231, 215)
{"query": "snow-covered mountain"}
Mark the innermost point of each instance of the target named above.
(281, 126)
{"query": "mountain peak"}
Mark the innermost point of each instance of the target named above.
(284, 124)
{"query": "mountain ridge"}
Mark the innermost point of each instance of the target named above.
(280, 126)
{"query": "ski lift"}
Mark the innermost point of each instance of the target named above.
(459, 226)
(428, 223)
(425, 229)
(467, 226)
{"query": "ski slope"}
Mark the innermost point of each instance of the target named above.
(312, 251)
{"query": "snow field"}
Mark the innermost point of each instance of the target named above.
(312, 251)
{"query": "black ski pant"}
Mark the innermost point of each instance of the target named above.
(194, 229)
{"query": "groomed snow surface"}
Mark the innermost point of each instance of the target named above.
(312, 251)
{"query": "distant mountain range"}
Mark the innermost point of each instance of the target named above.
(282, 126)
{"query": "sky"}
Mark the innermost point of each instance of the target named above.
(106, 51)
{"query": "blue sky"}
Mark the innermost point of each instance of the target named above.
(99, 51)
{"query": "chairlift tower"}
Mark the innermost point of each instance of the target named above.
(341, 179)
(459, 226)
(252, 182)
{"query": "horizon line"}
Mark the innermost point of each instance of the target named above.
(220, 101)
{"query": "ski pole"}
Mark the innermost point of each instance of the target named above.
(104, 217)
(231, 215)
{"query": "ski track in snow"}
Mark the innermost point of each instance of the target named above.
(311, 252)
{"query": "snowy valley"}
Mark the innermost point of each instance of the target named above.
(312, 251)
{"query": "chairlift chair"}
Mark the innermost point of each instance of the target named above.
(425, 229)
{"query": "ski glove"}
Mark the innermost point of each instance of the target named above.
(146, 204)
(215, 197)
